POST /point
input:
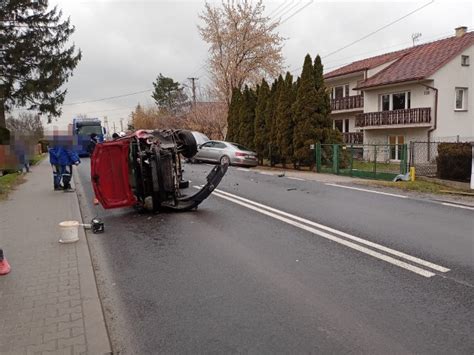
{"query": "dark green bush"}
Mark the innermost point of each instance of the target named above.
(454, 161)
(4, 136)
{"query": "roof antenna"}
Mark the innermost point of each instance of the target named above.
(415, 37)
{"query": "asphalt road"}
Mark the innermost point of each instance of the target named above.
(275, 265)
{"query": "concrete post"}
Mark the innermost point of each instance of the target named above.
(472, 166)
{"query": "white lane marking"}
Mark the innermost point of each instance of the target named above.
(343, 234)
(458, 206)
(265, 173)
(366, 190)
(386, 258)
(243, 169)
(295, 178)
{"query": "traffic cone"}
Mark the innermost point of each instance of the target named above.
(4, 265)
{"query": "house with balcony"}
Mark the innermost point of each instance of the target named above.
(421, 93)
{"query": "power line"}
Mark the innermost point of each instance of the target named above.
(108, 98)
(372, 33)
(296, 12)
(378, 30)
(283, 9)
(276, 9)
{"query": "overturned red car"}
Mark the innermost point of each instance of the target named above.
(144, 169)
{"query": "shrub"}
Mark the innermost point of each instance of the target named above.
(454, 161)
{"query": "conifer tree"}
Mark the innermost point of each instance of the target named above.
(260, 110)
(35, 58)
(284, 120)
(324, 132)
(304, 109)
(247, 118)
(233, 115)
(273, 141)
(269, 111)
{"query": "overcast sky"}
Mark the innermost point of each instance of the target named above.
(125, 44)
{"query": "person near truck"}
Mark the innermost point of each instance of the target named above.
(62, 159)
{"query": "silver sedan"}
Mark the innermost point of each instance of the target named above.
(226, 152)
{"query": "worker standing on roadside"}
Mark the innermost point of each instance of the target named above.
(62, 158)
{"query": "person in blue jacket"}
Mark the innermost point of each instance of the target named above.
(62, 158)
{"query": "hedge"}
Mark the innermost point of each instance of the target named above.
(454, 161)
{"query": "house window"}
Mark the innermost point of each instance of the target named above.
(396, 145)
(460, 99)
(385, 102)
(346, 90)
(465, 60)
(395, 101)
(339, 124)
(346, 125)
(338, 92)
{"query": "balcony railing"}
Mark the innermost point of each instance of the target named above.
(347, 103)
(353, 138)
(412, 116)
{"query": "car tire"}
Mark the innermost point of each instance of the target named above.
(225, 160)
(189, 143)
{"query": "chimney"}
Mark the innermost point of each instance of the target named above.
(460, 31)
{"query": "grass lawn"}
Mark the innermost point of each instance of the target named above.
(421, 186)
(9, 181)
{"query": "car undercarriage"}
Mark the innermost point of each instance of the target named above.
(151, 161)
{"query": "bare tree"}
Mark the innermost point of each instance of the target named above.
(244, 45)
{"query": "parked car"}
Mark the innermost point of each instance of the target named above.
(226, 153)
(200, 138)
(144, 169)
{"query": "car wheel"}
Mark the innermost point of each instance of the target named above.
(225, 160)
(189, 144)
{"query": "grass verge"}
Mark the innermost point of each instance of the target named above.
(421, 186)
(9, 181)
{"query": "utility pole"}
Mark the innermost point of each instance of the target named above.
(106, 124)
(115, 131)
(121, 125)
(193, 83)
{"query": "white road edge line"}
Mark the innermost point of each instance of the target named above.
(343, 234)
(243, 169)
(366, 190)
(458, 206)
(295, 178)
(265, 173)
(386, 258)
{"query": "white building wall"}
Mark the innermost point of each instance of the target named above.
(420, 96)
(453, 123)
(351, 80)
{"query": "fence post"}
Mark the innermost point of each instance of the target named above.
(335, 159)
(318, 157)
(352, 159)
(375, 161)
(403, 162)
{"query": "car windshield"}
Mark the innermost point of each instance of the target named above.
(240, 147)
(87, 130)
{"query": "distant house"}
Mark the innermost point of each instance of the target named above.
(421, 93)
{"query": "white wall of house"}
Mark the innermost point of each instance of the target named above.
(349, 79)
(346, 116)
(420, 96)
(451, 122)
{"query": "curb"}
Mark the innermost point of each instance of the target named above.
(97, 337)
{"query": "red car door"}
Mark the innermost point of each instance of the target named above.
(109, 174)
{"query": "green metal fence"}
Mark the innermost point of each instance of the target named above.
(369, 161)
